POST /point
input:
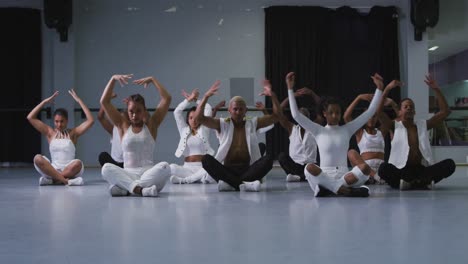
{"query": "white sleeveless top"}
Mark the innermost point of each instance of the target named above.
(116, 145)
(302, 150)
(138, 148)
(62, 150)
(400, 147)
(371, 143)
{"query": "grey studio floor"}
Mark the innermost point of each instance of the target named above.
(283, 223)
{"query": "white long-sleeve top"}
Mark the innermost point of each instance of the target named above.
(184, 129)
(333, 141)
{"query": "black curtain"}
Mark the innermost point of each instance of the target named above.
(20, 53)
(333, 52)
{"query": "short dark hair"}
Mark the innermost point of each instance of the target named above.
(61, 112)
(404, 99)
(330, 101)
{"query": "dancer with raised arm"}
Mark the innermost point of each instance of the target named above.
(333, 142)
(238, 164)
(63, 167)
(411, 165)
(140, 176)
(194, 143)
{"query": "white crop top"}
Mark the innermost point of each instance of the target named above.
(371, 143)
(194, 146)
(62, 150)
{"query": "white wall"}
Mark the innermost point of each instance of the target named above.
(185, 49)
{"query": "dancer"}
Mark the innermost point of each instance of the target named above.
(333, 142)
(371, 140)
(411, 165)
(302, 144)
(194, 143)
(62, 167)
(237, 164)
(139, 176)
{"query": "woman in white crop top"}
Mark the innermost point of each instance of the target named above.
(140, 175)
(371, 140)
(193, 145)
(63, 167)
(333, 175)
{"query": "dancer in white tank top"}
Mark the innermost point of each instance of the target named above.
(193, 145)
(63, 167)
(371, 140)
(138, 133)
(333, 141)
(302, 144)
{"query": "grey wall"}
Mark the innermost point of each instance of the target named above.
(452, 69)
(202, 41)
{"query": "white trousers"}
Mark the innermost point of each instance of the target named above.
(333, 178)
(192, 172)
(59, 167)
(128, 178)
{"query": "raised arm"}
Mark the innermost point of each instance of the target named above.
(208, 121)
(159, 114)
(105, 123)
(386, 123)
(301, 119)
(444, 109)
(85, 125)
(178, 111)
(217, 107)
(106, 98)
(269, 119)
(38, 124)
(354, 125)
(348, 114)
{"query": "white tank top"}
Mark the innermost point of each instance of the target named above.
(302, 150)
(195, 146)
(62, 150)
(371, 143)
(116, 145)
(138, 148)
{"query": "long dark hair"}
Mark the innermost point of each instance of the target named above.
(191, 109)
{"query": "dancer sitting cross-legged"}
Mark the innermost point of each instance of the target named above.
(140, 175)
(193, 145)
(64, 167)
(333, 142)
(238, 164)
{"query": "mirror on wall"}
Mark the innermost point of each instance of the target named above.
(448, 63)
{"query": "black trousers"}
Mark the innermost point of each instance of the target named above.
(235, 175)
(290, 166)
(104, 158)
(417, 175)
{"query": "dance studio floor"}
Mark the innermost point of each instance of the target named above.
(196, 224)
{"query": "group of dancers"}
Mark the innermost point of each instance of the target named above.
(239, 164)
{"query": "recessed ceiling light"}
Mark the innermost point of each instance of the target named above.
(433, 48)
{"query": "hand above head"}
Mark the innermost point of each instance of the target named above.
(389, 102)
(393, 84)
(366, 97)
(213, 89)
(193, 96)
(267, 91)
(378, 81)
(259, 105)
(122, 78)
(220, 104)
(431, 82)
(50, 99)
(290, 80)
(303, 91)
(73, 94)
(144, 81)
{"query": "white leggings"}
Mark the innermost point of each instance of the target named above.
(59, 167)
(192, 172)
(332, 178)
(143, 177)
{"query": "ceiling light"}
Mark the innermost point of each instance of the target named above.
(433, 48)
